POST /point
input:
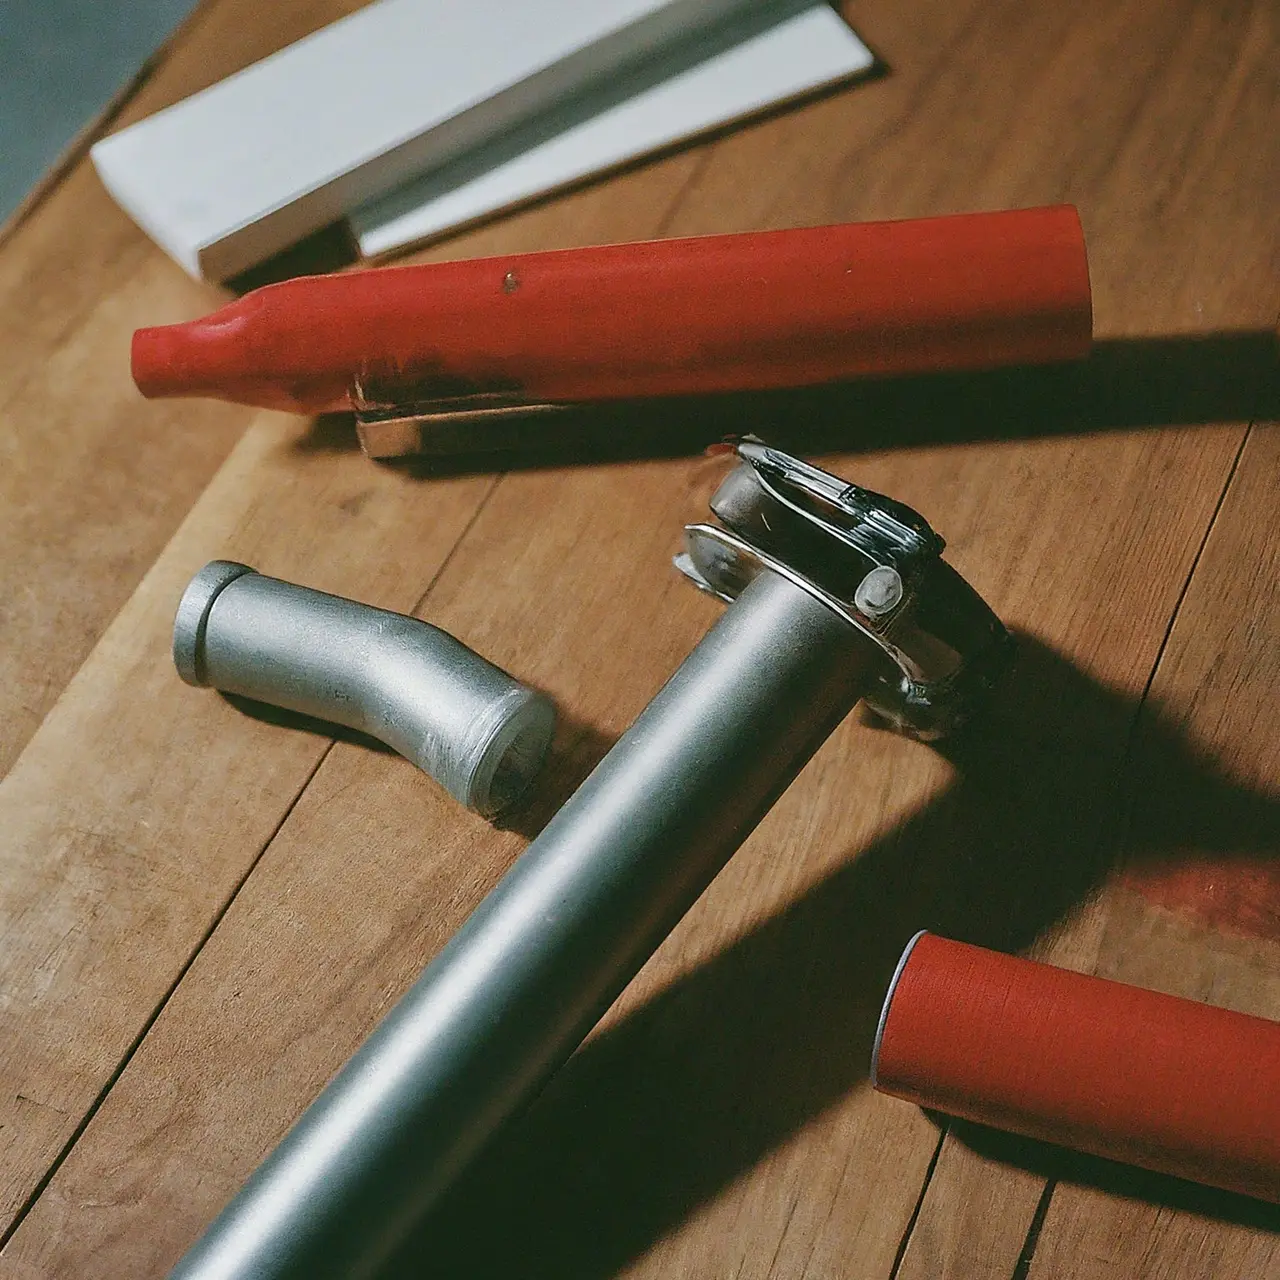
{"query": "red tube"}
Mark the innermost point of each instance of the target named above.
(662, 317)
(1117, 1071)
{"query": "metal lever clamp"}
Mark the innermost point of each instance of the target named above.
(875, 562)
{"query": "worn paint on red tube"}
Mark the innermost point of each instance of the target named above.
(1103, 1067)
(663, 317)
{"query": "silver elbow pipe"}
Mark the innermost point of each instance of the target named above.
(482, 735)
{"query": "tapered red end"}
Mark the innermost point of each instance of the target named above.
(198, 358)
(157, 362)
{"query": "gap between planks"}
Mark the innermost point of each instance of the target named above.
(1026, 1255)
(219, 915)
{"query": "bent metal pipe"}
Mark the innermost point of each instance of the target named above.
(837, 594)
(480, 734)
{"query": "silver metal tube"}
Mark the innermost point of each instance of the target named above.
(545, 954)
(482, 735)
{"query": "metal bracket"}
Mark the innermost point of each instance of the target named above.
(872, 560)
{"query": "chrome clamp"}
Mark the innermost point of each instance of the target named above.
(875, 562)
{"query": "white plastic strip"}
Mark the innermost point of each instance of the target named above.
(242, 170)
(684, 97)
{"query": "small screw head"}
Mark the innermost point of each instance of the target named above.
(879, 592)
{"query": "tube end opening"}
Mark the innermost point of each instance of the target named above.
(512, 757)
(192, 618)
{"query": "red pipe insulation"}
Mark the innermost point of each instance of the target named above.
(1168, 1084)
(662, 317)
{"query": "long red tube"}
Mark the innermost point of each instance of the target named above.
(662, 317)
(1113, 1070)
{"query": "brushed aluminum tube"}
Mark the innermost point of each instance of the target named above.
(544, 955)
(482, 735)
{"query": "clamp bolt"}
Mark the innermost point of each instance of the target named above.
(879, 592)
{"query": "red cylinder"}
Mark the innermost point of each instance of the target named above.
(663, 317)
(1113, 1070)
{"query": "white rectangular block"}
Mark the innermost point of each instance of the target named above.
(677, 97)
(251, 165)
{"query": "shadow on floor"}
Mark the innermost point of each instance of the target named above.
(1126, 383)
(1057, 1165)
(663, 1110)
(576, 749)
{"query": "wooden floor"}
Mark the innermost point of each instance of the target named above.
(202, 914)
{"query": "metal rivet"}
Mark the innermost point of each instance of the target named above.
(879, 592)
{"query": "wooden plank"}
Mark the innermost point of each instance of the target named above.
(720, 1117)
(128, 769)
(92, 481)
(72, 517)
(1135, 184)
(1198, 910)
(1223, 75)
(721, 1052)
(1195, 911)
(140, 804)
(295, 500)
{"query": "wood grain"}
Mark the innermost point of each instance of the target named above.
(104, 812)
(1222, 74)
(140, 804)
(92, 481)
(718, 1122)
(1221, 670)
